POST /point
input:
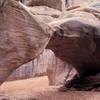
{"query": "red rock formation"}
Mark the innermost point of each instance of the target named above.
(22, 36)
(56, 4)
(39, 65)
(76, 40)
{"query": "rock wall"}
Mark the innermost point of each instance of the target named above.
(36, 67)
(22, 36)
(45, 64)
(28, 17)
(72, 3)
(76, 39)
(56, 68)
(56, 4)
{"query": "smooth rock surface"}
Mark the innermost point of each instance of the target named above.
(22, 36)
(72, 3)
(56, 4)
(76, 39)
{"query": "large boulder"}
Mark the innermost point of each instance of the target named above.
(22, 36)
(44, 10)
(39, 65)
(76, 40)
(56, 4)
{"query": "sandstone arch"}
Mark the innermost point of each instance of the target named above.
(76, 41)
(22, 36)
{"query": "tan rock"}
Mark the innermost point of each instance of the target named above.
(59, 72)
(37, 67)
(44, 10)
(44, 13)
(76, 40)
(22, 37)
(57, 4)
(71, 3)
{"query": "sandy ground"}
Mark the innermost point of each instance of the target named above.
(38, 89)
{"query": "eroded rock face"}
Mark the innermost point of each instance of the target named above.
(22, 37)
(59, 72)
(44, 10)
(35, 68)
(56, 4)
(76, 40)
(44, 13)
(72, 3)
(39, 65)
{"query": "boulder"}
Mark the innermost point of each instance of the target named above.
(72, 3)
(35, 68)
(22, 36)
(76, 40)
(44, 10)
(56, 4)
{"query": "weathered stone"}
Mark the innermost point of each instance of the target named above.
(45, 64)
(76, 40)
(59, 72)
(44, 13)
(45, 18)
(72, 3)
(88, 83)
(96, 5)
(57, 4)
(37, 67)
(44, 10)
(22, 37)
(55, 71)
